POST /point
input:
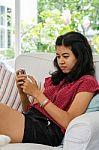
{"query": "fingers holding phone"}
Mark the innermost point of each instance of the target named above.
(21, 71)
(20, 77)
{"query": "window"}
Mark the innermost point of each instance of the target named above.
(28, 20)
(2, 15)
(10, 31)
(9, 39)
(2, 25)
(9, 17)
(6, 27)
(2, 38)
(36, 28)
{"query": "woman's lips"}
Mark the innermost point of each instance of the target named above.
(62, 68)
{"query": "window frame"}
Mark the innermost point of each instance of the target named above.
(17, 28)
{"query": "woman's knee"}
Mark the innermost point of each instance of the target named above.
(11, 123)
(3, 107)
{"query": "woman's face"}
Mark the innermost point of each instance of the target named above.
(65, 58)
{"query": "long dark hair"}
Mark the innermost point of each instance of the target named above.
(82, 51)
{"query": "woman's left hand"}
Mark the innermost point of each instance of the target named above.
(30, 86)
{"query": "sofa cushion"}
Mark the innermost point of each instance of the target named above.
(83, 132)
(94, 104)
(29, 146)
(8, 90)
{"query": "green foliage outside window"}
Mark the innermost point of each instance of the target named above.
(42, 36)
(95, 40)
(7, 53)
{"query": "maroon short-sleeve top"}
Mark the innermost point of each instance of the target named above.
(62, 95)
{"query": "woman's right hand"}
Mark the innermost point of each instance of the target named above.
(20, 81)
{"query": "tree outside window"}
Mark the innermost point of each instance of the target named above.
(55, 18)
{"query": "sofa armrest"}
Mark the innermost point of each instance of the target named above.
(83, 132)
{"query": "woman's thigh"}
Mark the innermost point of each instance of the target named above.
(11, 123)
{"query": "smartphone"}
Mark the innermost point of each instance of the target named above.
(22, 71)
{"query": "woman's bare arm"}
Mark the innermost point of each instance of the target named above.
(77, 108)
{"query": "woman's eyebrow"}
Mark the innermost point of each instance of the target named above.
(63, 53)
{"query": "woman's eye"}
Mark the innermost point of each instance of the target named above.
(65, 56)
(58, 57)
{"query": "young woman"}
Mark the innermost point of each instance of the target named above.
(66, 95)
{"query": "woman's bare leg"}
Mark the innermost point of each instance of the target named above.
(11, 123)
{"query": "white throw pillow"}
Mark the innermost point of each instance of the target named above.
(8, 89)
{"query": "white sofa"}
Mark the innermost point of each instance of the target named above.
(82, 132)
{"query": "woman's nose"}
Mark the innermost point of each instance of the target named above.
(61, 60)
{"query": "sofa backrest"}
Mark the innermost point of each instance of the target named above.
(40, 64)
(37, 64)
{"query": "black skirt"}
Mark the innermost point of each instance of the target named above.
(39, 129)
